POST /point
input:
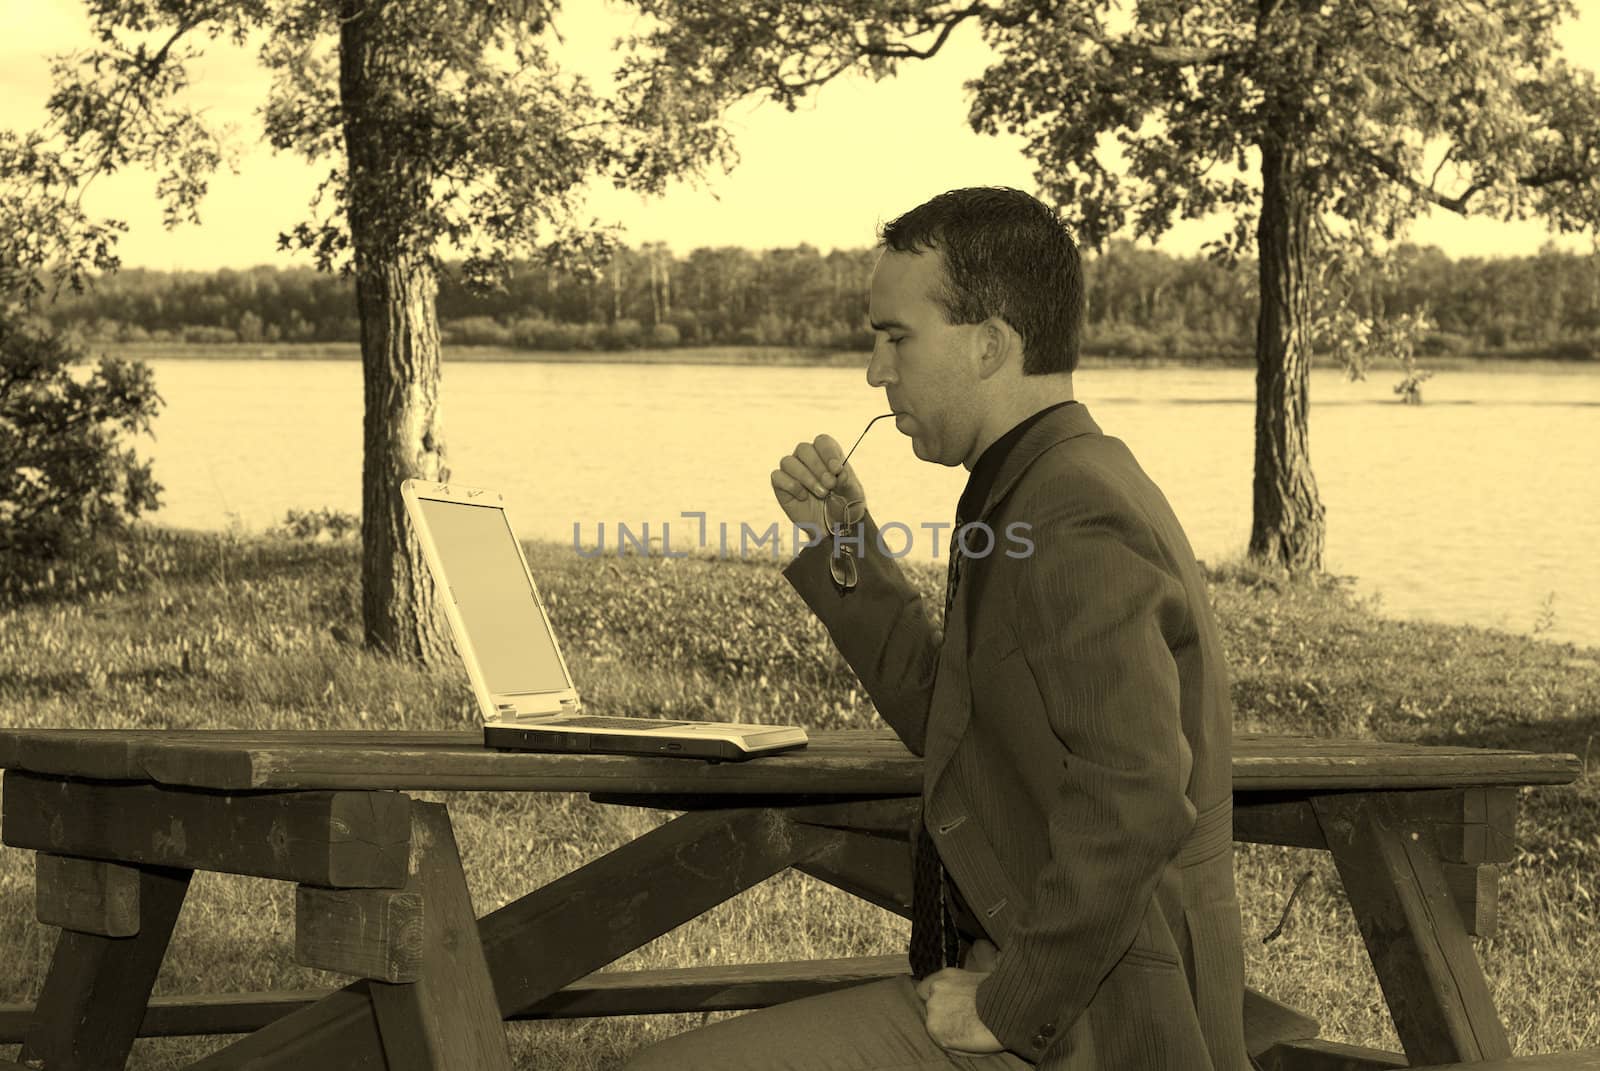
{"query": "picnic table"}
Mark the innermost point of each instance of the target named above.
(120, 819)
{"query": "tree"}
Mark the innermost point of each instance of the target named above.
(444, 124)
(1354, 116)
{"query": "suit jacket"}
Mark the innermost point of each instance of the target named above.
(1076, 726)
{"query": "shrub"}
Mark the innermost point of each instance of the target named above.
(66, 483)
(476, 331)
(209, 335)
(1445, 344)
(626, 333)
(665, 335)
(319, 525)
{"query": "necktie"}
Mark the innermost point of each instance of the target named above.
(934, 942)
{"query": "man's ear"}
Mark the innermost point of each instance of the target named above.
(999, 344)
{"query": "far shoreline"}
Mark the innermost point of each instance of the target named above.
(754, 356)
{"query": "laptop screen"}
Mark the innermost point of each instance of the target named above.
(510, 636)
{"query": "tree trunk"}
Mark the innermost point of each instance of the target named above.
(1287, 523)
(402, 427)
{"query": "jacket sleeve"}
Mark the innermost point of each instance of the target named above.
(1094, 618)
(880, 626)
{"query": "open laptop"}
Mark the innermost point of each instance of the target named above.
(525, 693)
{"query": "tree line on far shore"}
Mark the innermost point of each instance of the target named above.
(1141, 303)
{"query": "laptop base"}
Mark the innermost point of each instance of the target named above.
(515, 738)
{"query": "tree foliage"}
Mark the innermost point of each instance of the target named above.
(488, 140)
(67, 479)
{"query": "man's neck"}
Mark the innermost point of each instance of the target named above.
(1030, 394)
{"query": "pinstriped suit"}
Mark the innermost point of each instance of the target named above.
(1076, 727)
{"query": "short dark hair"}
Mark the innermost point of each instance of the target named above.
(1006, 254)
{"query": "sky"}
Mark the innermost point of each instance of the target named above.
(855, 155)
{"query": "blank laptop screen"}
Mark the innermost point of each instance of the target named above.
(515, 649)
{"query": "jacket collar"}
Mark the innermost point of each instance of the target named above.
(1058, 425)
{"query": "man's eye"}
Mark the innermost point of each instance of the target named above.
(897, 341)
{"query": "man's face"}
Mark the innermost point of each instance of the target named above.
(925, 365)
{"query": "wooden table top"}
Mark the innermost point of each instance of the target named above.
(843, 762)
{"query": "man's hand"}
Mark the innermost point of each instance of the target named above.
(950, 999)
(806, 477)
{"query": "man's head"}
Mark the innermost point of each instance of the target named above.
(975, 290)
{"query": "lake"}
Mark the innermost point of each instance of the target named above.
(1479, 506)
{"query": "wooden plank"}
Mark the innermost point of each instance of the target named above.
(448, 1018)
(322, 838)
(86, 895)
(1476, 891)
(95, 992)
(1317, 1054)
(368, 933)
(1268, 1022)
(1576, 1060)
(722, 987)
(1420, 951)
(876, 869)
(856, 761)
(563, 931)
(1276, 818)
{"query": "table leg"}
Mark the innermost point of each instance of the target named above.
(95, 994)
(561, 932)
(1420, 951)
(445, 1020)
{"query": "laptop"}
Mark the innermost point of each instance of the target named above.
(525, 693)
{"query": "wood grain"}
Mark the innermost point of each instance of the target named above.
(356, 839)
(86, 895)
(368, 933)
(856, 761)
(95, 992)
(1420, 951)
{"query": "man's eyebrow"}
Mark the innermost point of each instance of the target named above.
(887, 325)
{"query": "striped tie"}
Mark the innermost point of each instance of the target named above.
(934, 943)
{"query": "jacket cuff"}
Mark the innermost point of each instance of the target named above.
(1018, 1013)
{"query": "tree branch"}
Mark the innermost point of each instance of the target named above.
(1458, 205)
(903, 51)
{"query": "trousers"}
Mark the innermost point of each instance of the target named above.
(875, 1026)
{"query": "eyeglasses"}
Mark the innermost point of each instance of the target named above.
(842, 562)
(842, 559)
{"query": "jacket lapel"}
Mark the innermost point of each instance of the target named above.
(951, 707)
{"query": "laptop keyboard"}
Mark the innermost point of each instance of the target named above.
(585, 721)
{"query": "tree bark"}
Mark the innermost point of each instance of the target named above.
(1287, 523)
(396, 286)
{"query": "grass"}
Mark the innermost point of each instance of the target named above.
(221, 631)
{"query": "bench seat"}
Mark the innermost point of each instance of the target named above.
(732, 987)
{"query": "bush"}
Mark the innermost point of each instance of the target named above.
(1577, 349)
(209, 335)
(665, 335)
(65, 482)
(475, 331)
(320, 525)
(1445, 344)
(626, 333)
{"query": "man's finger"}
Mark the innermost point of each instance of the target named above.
(803, 476)
(925, 987)
(784, 484)
(828, 450)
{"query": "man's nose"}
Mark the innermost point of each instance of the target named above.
(879, 373)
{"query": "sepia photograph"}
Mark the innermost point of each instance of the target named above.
(800, 535)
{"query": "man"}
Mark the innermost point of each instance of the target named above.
(1073, 716)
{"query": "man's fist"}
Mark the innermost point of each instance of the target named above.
(950, 999)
